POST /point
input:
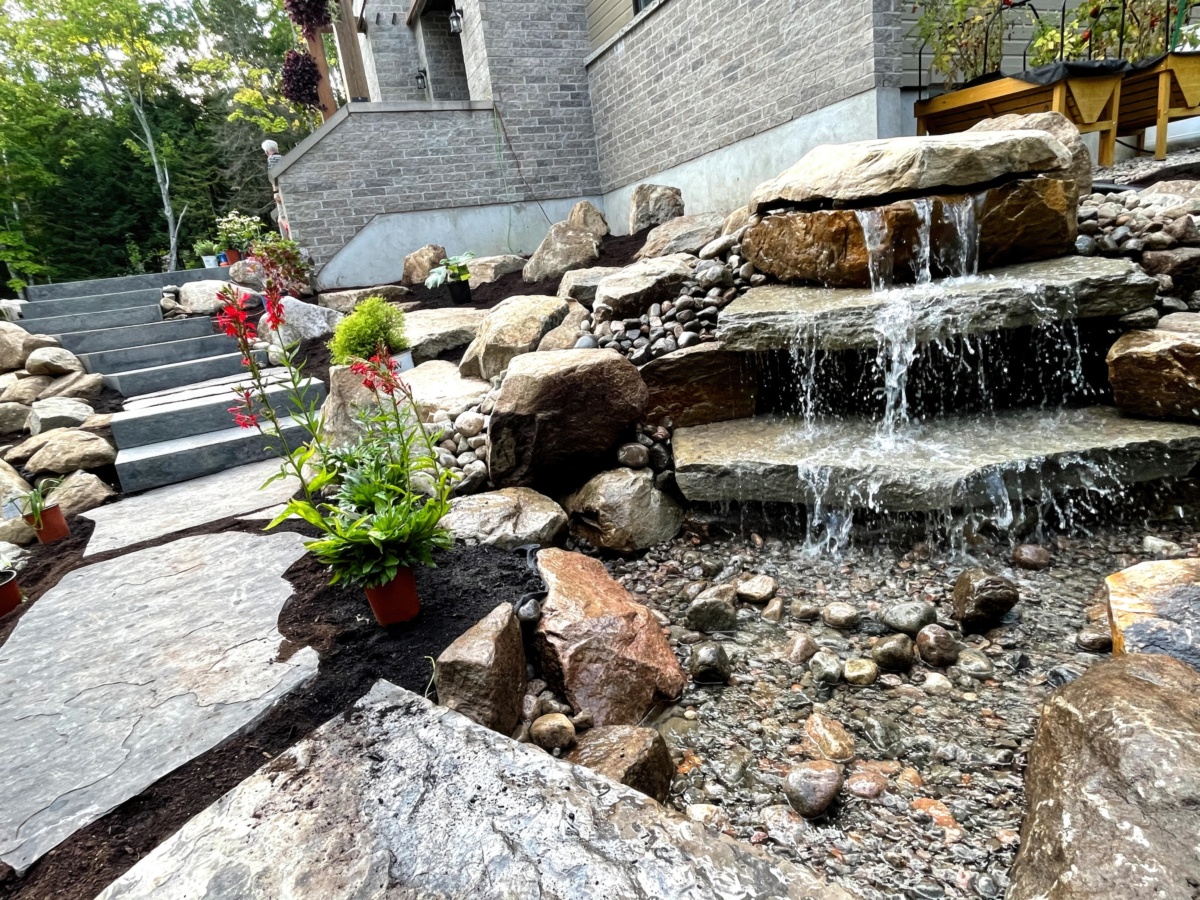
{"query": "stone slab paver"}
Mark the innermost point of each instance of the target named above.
(128, 669)
(404, 799)
(177, 507)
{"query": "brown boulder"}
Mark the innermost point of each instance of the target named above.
(1156, 373)
(26, 390)
(597, 647)
(564, 335)
(1182, 264)
(621, 510)
(1030, 219)
(1154, 607)
(584, 216)
(635, 757)
(560, 411)
(1113, 786)
(562, 249)
(69, 449)
(512, 327)
(482, 674)
(419, 263)
(700, 385)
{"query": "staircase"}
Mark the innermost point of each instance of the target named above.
(177, 376)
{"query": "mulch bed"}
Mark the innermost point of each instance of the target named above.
(354, 653)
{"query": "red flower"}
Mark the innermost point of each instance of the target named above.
(274, 313)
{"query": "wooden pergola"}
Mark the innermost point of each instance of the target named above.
(354, 74)
(1154, 96)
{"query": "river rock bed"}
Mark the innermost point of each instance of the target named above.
(933, 800)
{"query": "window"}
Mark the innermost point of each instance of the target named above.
(639, 5)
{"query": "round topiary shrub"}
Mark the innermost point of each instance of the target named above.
(373, 322)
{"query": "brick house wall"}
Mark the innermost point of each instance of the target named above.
(443, 58)
(394, 53)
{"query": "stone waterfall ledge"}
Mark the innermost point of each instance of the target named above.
(128, 669)
(405, 799)
(778, 317)
(944, 463)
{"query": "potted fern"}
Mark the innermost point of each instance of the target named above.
(453, 273)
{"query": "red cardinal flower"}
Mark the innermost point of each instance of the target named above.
(274, 313)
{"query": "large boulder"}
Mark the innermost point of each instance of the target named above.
(346, 302)
(69, 449)
(653, 204)
(580, 284)
(439, 384)
(632, 756)
(850, 173)
(13, 348)
(631, 291)
(597, 647)
(52, 361)
(432, 332)
(57, 412)
(1156, 373)
(14, 417)
(1183, 322)
(79, 385)
(487, 269)
(1154, 607)
(419, 263)
(482, 674)
(623, 511)
(699, 385)
(508, 518)
(202, 297)
(22, 452)
(564, 248)
(11, 482)
(1030, 219)
(1113, 786)
(301, 322)
(26, 390)
(559, 412)
(564, 335)
(248, 273)
(685, 234)
(79, 492)
(510, 328)
(347, 397)
(1056, 124)
(584, 216)
(1181, 264)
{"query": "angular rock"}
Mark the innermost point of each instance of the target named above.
(510, 328)
(419, 263)
(33, 342)
(825, 668)
(11, 481)
(564, 335)
(21, 453)
(432, 332)
(52, 361)
(1031, 219)
(12, 346)
(1031, 556)
(346, 302)
(487, 269)
(26, 390)
(527, 803)
(1156, 373)
(865, 170)
(1058, 125)
(508, 518)
(685, 234)
(247, 273)
(632, 290)
(560, 411)
(14, 417)
(982, 599)
(710, 664)
(580, 284)
(910, 617)
(347, 396)
(621, 510)
(812, 786)
(201, 297)
(586, 217)
(482, 674)
(301, 322)
(57, 412)
(1154, 607)
(736, 220)
(699, 385)
(801, 649)
(759, 589)
(564, 248)
(1181, 264)
(713, 610)
(635, 757)
(438, 384)
(596, 646)
(79, 492)
(68, 450)
(79, 385)
(1111, 786)
(1184, 323)
(653, 204)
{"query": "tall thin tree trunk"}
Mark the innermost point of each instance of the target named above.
(164, 184)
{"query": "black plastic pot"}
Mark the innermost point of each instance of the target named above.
(460, 291)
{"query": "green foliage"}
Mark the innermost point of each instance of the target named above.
(238, 232)
(33, 504)
(205, 248)
(957, 42)
(1094, 30)
(452, 269)
(373, 322)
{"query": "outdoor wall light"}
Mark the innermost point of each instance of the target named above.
(422, 80)
(456, 21)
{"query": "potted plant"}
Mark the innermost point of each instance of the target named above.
(207, 251)
(10, 591)
(453, 273)
(235, 234)
(47, 520)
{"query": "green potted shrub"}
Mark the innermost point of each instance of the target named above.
(207, 251)
(372, 324)
(453, 273)
(47, 520)
(235, 234)
(10, 591)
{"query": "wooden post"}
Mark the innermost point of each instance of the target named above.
(316, 49)
(345, 33)
(1163, 111)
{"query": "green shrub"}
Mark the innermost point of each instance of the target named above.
(373, 322)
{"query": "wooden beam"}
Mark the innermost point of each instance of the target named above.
(414, 13)
(345, 34)
(316, 49)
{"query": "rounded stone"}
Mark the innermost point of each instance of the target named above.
(937, 683)
(552, 732)
(867, 785)
(860, 672)
(633, 456)
(469, 424)
(812, 786)
(711, 614)
(937, 646)
(804, 610)
(840, 615)
(974, 663)
(825, 668)
(1031, 556)
(802, 649)
(587, 342)
(894, 653)
(981, 598)
(830, 737)
(759, 589)
(909, 618)
(709, 664)
(1096, 638)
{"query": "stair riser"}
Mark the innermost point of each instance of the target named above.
(141, 474)
(144, 381)
(156, 280)
(116, 318)
(80, 342)
(110, 362)
(84, 305)
(164, 424)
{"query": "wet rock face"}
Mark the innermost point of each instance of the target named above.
(482, 674)
(1156, 373)
(982, 599)
(1154, 607)
(632, 756)
(699, 385)
(622, 510)
(1112, 786)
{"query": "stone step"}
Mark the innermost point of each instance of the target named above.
(125, 359)
(46, 309)
(157, 378)
(101, 339)
(208, 388)
(112, 318)
(121, 284)
(946, 463)
(195, 415)
(181, 459)
(781, 317)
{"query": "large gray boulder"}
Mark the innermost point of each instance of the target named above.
(432, 332)
(510, 328)
(685, 234)
(630, 291)
(653, 204)
(623, 511)
(53, 361)
(345, 302)
(486, 269)
(508, 518)
(564, 248)
(482, 674)
(70, 449)
(57, 412)
(580, 284)
(203, 297)
(301, 322)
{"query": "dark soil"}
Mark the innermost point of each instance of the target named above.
(354, 653)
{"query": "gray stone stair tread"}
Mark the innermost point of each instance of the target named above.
(960, 461)
(122, 283)
(140, 381)
(97, 339)
(425, 803)
(127, 359)
(170, 655)
(164, 511)
(776, 317)
(44, 309)
(109, 318)
(207, 388)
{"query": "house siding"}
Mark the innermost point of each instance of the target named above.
(606, 17)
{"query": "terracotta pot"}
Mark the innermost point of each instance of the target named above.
(395, 601)
(54, 525)
(10, 593)
(232, 256)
